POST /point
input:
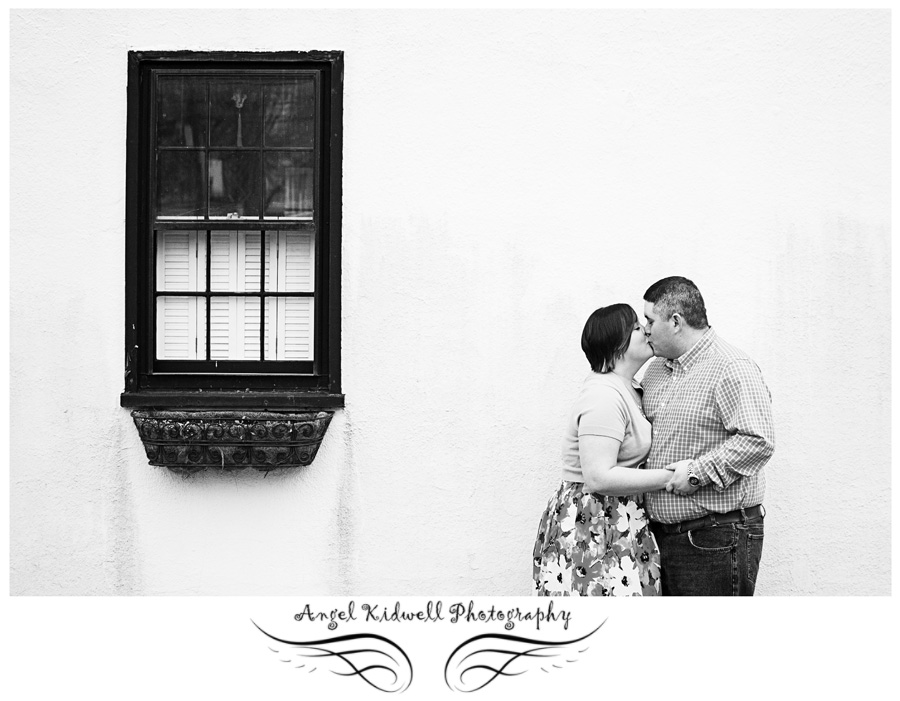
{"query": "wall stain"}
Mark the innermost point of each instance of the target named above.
(345, 516)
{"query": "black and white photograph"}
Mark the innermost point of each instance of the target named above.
(476, 320)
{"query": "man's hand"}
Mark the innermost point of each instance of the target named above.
(679, 483)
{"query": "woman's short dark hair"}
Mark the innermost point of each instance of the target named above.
(607, 334)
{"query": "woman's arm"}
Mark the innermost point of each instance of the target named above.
(598, 456)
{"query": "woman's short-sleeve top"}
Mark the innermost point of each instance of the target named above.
(605, 407)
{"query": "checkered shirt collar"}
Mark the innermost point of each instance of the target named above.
(686, 360)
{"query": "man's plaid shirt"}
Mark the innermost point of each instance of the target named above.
(710, 405)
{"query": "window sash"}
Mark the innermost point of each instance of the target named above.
(235, 296)
(211, 150)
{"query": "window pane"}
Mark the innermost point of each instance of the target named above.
(234, 112)
(235, 261)
(181, 112)
(289, 184)
(290, 262)
(234, 328)
(233, 183)
(289, 112)
(181, 184)
(181, 328)
(181, 261)
(289, 328)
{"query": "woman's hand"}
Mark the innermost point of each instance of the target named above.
(679, 483)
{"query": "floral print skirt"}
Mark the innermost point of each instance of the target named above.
(589, 544)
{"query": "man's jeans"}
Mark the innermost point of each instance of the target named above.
(720, 560)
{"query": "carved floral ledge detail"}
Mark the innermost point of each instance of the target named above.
(188, 441)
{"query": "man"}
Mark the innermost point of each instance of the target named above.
(712, 417)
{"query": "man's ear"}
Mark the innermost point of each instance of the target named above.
(677, 321)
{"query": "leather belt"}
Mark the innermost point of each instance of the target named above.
(695, 524)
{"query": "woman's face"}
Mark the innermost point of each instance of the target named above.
(639, 348)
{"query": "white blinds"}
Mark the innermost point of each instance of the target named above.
(181, 321)
(289, 320)
(234, 321)
(289, 328)
(291, 257)
(234, 266)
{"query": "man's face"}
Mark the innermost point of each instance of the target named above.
(660, 333)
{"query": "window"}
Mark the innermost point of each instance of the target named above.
(233, 230)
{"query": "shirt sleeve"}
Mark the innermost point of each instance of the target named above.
(744, 405)
(603, 414)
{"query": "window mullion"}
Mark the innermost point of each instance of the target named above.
(208, 353)
(262, 288)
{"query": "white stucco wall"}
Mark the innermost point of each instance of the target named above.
(505, 173)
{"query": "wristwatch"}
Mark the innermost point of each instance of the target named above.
(693, 480)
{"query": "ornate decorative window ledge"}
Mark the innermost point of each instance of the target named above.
(188, 441)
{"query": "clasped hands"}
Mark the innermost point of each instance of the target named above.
(679, 484)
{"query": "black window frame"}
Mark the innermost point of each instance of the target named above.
(233, 384)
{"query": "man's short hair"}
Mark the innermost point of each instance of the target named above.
(678, 294)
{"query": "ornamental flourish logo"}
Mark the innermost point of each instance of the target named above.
(481, 660)
(377, 660)
(472, 665)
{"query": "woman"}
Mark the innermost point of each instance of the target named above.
(594, 538)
